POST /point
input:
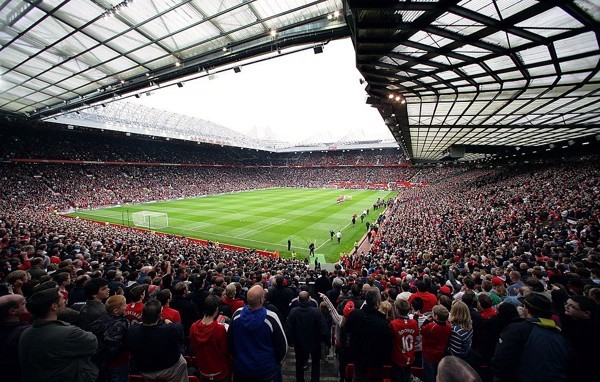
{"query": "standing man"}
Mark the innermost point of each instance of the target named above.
(12, 308)
(155, 346)
(256, 341)
(311, 250)
(331, 233)
(306, 328)
(96, 292)
(289, 245)
(52, 350)
(339, 236)
(532, 350)
(370, 337)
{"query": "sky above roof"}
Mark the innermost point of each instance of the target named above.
(300, 97)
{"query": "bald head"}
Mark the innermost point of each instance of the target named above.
(255, 297)
(454, 369)
(12, 306)
(303, 296)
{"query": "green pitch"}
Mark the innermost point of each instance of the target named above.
(263, 219)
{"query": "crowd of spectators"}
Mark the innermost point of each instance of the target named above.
(103, 146)
(471, 258)
(62, 187)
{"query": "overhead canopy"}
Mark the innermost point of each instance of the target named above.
(475, 73)
(446, 76)
(64, 55)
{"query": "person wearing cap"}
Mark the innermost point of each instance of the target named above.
(532, 350)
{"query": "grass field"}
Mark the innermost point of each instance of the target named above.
(262, 219)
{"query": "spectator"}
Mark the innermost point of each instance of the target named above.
(155, 346)
(533, 349)
(404, 332)
(186, 308)
(96, 291)
(208, 341)
(280, 296)
(257, 341)
(436, 335)
(487, 311)
(133, 311)
(306, 329)
(580, 328)
(164, 297)
(516, 283)
(461, 337)
(52, 350)
(491, 329)
(12, 310)
(112, 357)
(370, 338)
(455, 369)
(429, 299)
(230, 299)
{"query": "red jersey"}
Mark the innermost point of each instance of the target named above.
(429, 300)
(170, 314)
(405, 335)
(435, 340)
(133, 311)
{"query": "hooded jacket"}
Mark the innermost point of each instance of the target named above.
(532, 350)
(256, 341)
(210, 348)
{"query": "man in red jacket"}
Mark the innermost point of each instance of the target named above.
(208, 339)
(436, 333)
(429, 299)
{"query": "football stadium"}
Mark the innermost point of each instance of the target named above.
(192, 190)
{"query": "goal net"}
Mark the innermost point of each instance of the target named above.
(150, 219)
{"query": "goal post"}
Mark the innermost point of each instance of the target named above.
(150, 219)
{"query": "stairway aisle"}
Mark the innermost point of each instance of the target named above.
(329, 372)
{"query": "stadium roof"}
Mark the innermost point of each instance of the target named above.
(467, 76)
(478, 74)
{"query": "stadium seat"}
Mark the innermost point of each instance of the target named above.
(139, 378)
(384, 374)
(417, 371)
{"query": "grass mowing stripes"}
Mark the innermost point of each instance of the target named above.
(262, 219)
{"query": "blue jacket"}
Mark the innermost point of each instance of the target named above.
(532, 350)
(257, 342)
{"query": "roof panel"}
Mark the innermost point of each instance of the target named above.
(585, 42)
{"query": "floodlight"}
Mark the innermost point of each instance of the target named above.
(237, 69)
(180, 84)
(318, 49)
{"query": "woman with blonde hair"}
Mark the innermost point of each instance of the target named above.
(461, 336)
(387, 308)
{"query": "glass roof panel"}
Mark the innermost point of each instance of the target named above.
(550, 23)
(585, 42)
